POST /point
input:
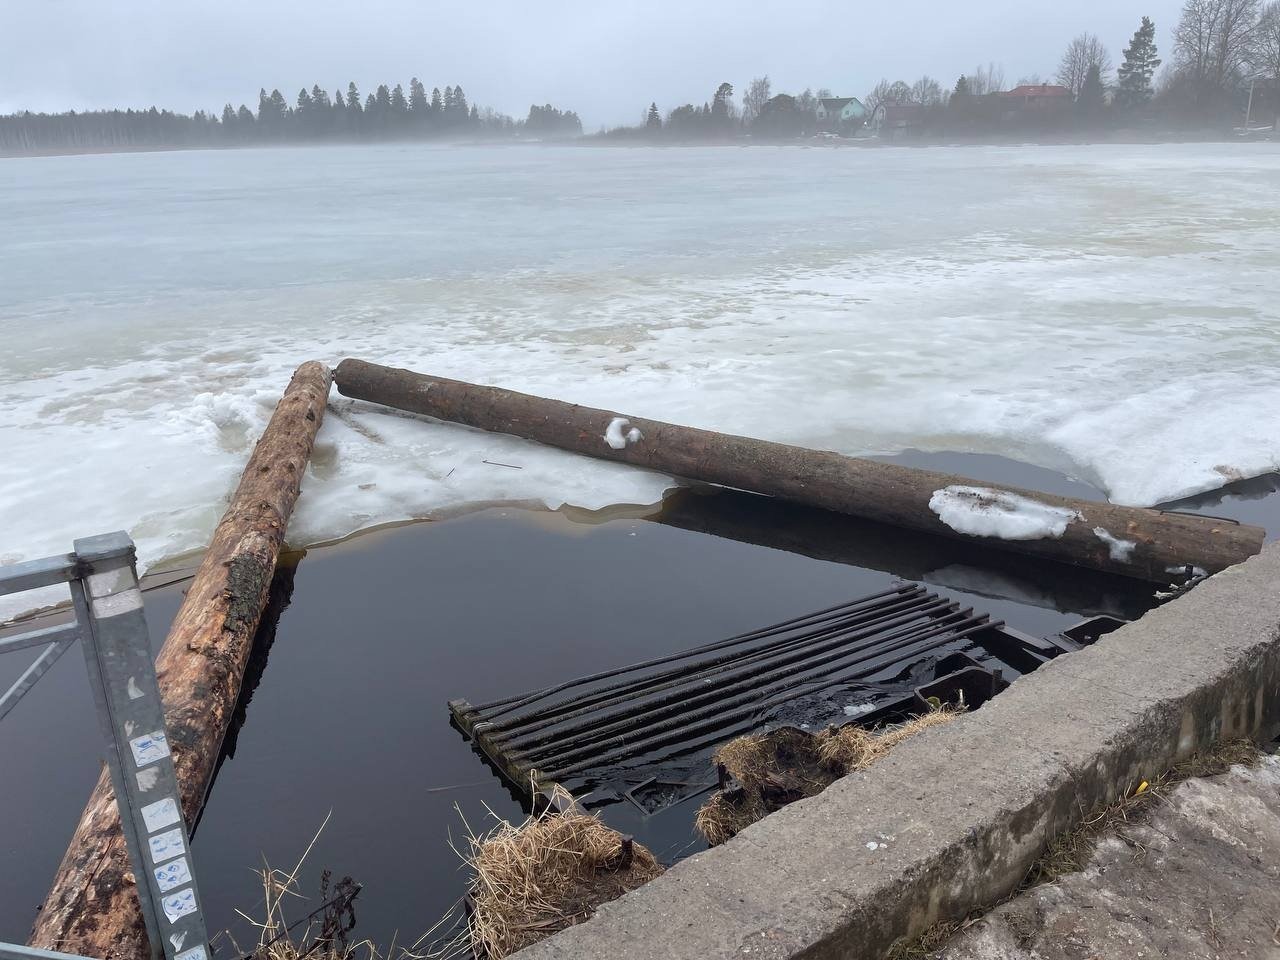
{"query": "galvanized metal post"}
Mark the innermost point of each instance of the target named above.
(123, 678)
(112, 628)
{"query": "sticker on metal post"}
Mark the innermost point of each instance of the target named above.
(160, 814)
(149, 748)
(172, 875)
(179, 904)
(167, 845)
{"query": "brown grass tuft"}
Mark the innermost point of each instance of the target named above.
(778, 768)
(546, 874)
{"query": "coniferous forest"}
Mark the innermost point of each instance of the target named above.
(314, 116)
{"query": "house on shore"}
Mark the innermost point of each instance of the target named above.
(841, 115)
(1037, 96)
(896, 121)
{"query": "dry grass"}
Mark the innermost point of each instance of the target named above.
(538, 877)
(778, 768)
(854, 748)
(323, 932)
(1070, 852)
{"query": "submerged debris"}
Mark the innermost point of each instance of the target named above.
(777, 768)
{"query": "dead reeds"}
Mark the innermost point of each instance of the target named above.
(777, 768)
(535, 878)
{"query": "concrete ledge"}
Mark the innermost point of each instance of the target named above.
(958, 814)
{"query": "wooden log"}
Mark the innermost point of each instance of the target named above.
(92, 909)
(1129, 541)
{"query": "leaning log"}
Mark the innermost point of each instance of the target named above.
(92, 909)
(1145, 544)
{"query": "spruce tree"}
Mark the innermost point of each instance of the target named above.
(1140, 62)
(962, 87)
(353, 100)
(1093, 96)
(437, 104)
(418, 101)
(654, 119)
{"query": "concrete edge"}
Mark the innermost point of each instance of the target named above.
(951, 821)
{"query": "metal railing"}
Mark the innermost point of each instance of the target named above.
(112, 629)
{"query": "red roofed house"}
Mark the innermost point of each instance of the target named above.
(1039, 96)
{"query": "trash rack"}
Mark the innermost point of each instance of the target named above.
(644, 732)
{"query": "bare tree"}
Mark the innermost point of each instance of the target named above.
(878, 95)
(1212, 43)
(1265, 53)
(1084, 52)
(754, 98)
(986, 80)
(928, 91)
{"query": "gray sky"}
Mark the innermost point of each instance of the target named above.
(605, 59)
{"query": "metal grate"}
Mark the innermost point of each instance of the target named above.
(577, 730)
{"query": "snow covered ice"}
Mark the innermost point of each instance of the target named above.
(1107, 311)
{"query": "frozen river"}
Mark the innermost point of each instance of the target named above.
(1112, 312)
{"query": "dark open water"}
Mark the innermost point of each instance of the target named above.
(348, 720)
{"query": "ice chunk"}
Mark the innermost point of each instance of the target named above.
(983, 512)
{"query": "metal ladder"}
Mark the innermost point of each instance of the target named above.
(112, 629)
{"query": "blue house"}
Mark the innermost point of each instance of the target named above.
(841, 114)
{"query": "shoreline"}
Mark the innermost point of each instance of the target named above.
(604, 140)
(1251, 500)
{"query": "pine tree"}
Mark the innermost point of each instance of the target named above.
(1140, 62)
(654, 120)
(1093, 96)
(437, 104)
(399, 105)
(722, 105)
(962, 87)
(418, 101)
(353, 100)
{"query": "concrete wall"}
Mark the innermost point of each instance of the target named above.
(953, 818)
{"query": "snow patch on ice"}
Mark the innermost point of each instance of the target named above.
(618, 436)
(984, 512)
(1121, 550)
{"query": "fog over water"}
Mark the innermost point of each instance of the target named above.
(1109, 312)
(607, 61)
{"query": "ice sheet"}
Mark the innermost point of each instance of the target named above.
(1110, 312)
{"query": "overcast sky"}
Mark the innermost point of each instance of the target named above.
(605, 58)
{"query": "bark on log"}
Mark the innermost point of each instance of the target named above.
(92, 909)
(885, 492)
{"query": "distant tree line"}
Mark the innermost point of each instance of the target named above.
(386, 114)
(1225, 56)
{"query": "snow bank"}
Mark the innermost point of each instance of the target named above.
(984, 512)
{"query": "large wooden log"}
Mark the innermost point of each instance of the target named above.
(92, 909)
(1133, 542)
